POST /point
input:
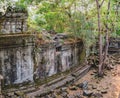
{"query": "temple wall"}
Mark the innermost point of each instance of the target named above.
(51, 60)
(21, 61)
(13, 22)
(24, 60)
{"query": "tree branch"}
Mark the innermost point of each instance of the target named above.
(108, 9)
(101, 3)
(97, 3)
(107, 27)
(108, 6)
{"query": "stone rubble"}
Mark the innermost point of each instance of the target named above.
(53, 89)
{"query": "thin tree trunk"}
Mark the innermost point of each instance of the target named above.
(100, 40)
(107, 34)
(106, 45)
(100, 55)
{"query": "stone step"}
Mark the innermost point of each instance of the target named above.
(55, 81)
(49, 89)
(79, 72)
(58, 83)
(83, 72)
(77, 69)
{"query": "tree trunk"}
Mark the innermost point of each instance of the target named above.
(106, 60)
(100, 73)
(107, 35)
(106, 45)
(100, 40)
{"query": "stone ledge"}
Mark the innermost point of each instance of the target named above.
(67, 81)
(16, 40)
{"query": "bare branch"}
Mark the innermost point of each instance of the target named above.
(97, 3)
(108, 9)
(108, 5)
(101, 3)
(107, 27)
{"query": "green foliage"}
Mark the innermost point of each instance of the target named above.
(21, 6)
(4, 4)
(50, 16)
(118, 32)
(82, 27)
(78, 17)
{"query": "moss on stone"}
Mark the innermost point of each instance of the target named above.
(39, 82)
(82, 56)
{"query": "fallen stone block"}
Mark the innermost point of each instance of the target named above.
(87, 93)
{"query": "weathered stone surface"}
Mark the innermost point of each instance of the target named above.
(73, 88)
(103, 91)
(70, 96)
(52, 59)
(22, 61)
(80, 85)
(17, 65)
(14, 22)
(64, 89)
(83, 85)
(78, 74)
(94, 86)
(19, 93)
(77, 95)
(87, 93)
(64, 94)
(97, 95)
(47, 89)
(58, 91)
(10, 94)
(55, 81)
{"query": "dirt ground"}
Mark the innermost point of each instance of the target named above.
(108, 86)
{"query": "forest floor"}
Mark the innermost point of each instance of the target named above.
(105, 87)
(92, 86)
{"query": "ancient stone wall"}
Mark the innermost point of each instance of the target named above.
(21, 60)
(24, 60)
(51, 60)
(13, 22)
(16, 60)
(45, 61)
